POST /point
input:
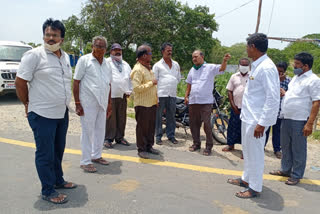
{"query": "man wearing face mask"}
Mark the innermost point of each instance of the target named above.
(121, 90)
(299, 109)
(91, 90)
(47, 70)
(235, 87)
(199, 96)
(284, 82)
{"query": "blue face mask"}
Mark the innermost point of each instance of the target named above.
(297, 71)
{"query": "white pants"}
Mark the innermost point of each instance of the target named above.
(253, 155)
(93, 124)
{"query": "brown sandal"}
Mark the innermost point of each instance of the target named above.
(100, 161)
(238, 182)
(247, 193)
(228, 148)
(292, 181)
(279, 173)
(88, 168)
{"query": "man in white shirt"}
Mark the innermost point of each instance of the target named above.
(167, 72)
(91, 90)
(121, 89)
(299, 109)
(47, 70)
(260, 103)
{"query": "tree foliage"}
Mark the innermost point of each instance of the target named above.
(134, 22)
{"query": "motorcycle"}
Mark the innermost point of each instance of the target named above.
(219, 120)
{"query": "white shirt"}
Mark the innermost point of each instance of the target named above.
(302, 91)
(95, 80)
(168, 78)
(49, 80)
(261, 98)
(121, 82)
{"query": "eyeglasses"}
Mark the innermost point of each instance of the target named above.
(149, 53)
(48, 35)
(99, 46)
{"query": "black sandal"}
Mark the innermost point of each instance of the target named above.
(55, 195)
(63, 185)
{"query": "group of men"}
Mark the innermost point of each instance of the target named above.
(101, 87)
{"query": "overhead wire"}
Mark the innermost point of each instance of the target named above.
(235, 9)
(273, 2)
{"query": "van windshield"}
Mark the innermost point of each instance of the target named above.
(12, 53)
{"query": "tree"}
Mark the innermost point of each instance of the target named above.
(277, 55)
(135, 22)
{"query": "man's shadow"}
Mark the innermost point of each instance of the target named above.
(269, 200)
(114, 168)
(78, 197)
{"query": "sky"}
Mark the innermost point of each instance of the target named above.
(21, 20)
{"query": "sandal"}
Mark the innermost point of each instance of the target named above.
(207, 152)
(247, 193)
(55, 198)
(194, 148)
(108, 144)
(66, 185)
(228, 148)
(123, 142)
(100, 161)
(279, 173)
(238, 182)
(292, 181)
(88, 168)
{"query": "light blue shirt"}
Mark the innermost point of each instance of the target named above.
(202, 81)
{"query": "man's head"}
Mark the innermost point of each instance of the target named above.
(116, 49)
(53, 34)
(257, 44)
(166, 50)
(244, 65)
(144, 54)
(99, 46)
(302, 62)
(197, 57)
(282, 68)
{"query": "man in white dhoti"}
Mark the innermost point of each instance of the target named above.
(259, 111)
(91, 90)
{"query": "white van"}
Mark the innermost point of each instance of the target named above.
(10, 57)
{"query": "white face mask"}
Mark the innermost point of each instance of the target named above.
(116, 58)
(244, 69)
(53, 47)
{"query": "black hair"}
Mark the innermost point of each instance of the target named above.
(259, 40)
(244, 59)
(283, 65)
(305, 58)
(164, 45)
(55, 25)
(142, 50)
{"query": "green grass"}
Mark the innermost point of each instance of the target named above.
(316, 135)
(132, 115)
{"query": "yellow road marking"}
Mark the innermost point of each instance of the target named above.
(165, 163)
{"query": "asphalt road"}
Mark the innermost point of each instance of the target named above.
(174, 182)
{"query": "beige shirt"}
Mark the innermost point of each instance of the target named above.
(237, 84)
(145, 93)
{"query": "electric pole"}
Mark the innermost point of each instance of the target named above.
(259, 14)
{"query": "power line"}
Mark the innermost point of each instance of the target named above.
(234, 9)
(271, 15)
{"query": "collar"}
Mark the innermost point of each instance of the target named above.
(306, 74)
(259, 60)
(93, 58)
(162, 60)
(239, 74)
(199, 66)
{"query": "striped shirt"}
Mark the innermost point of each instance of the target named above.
(145, 93)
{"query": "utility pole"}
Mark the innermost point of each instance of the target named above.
(259, 14)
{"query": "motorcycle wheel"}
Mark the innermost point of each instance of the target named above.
(219, 125)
